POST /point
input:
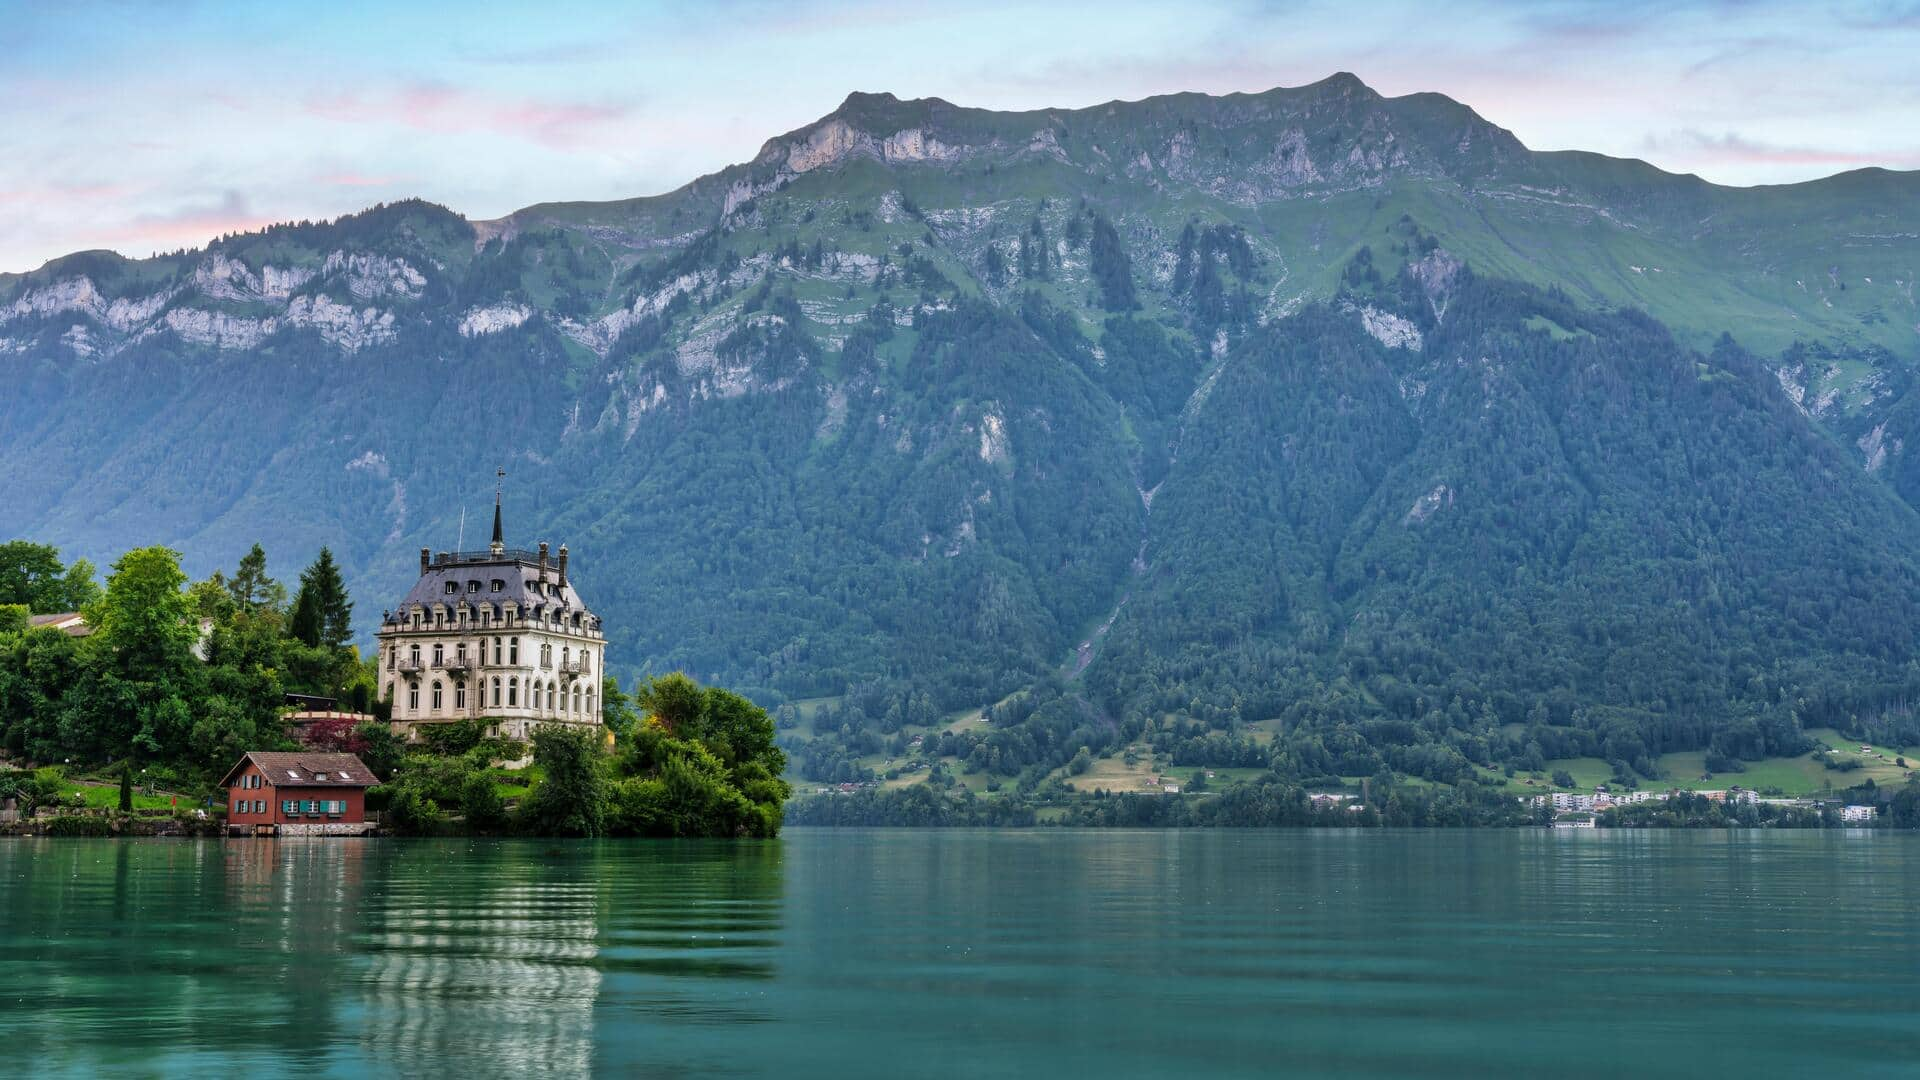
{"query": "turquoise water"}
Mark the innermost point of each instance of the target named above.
(957, 953)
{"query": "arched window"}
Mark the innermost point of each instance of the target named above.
(513, 693)
(513, 651)
(496, 691)
(576, 699)
(436, 695)
(586, 660)
(413, 698)
(460, 696)
(389, 691)
(496, 653)
(393, 657)
(591, 712)
(439, 654)
(535, 693)
(414, 655)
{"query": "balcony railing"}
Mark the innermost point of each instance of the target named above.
(456, 662)
(408, 665)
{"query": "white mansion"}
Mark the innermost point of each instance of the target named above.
(497, 634)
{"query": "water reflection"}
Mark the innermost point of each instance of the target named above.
(329, 957)
(966, 953)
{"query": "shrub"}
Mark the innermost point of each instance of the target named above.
(75, 825)
(480, 802)
(409, 813)
(454, 739)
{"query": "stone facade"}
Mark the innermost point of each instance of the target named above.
(497, 635)
(359, 828)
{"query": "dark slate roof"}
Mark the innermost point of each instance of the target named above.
(519, 570)
(299, 768)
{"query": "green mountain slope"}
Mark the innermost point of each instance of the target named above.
(1308, 426)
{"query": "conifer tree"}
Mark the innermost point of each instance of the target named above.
(305, 624)
(322, 613)
(251, 588)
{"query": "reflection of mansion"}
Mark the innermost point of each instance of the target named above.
(497, 634)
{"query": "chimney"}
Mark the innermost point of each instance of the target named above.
(424, 559)
(543, 559)
(563, 566)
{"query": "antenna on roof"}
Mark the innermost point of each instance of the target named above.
(499, 545)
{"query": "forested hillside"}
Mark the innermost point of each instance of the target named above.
(1310, 431)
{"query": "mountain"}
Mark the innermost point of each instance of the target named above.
(1309, 427)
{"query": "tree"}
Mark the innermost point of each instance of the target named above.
(572, 800)
(1562, 778)
(141, 659)
(31, 574)
(250, 587)
(383, 749)
(126, 788)
(210, 599)
(337, 734)
(322, 613)
(616, 708)
(481, 804)
(673, 701)
(305, 623)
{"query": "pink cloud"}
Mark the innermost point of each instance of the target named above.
(439, 108)
(188, 226)
(62, 194)
(1734, 149)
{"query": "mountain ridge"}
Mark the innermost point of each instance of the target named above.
(1275, 426)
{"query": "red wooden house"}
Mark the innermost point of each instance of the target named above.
(303, 793)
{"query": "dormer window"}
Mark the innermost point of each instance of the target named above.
(473, 586)
(452, 587)
(498, 585)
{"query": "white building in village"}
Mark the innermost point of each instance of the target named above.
(497, 634)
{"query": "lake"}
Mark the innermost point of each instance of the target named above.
(969, 953)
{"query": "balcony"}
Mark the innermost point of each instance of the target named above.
(456, 662)
(408, 666)
(573, 667)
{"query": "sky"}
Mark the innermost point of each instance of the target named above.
(146, 127)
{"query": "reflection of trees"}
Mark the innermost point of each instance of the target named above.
(156, 955)
(446, 958)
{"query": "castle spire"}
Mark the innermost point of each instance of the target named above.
(499, 544)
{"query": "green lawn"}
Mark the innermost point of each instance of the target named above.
(1684, 770)
(107, 797)
(515, 783)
